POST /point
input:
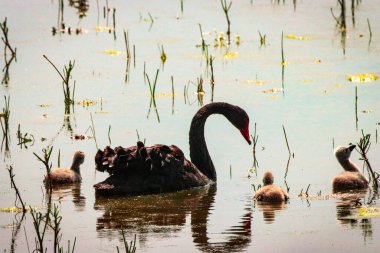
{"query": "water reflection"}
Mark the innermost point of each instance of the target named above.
(62, 192)
(341, 23)
(347, 213)
(166, 214)
(82, 7)
(269, 210)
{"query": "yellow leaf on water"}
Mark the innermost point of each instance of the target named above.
(363, 78)
(257, 82)
(368, 212)
(273, 90)
(43, 105)
(297, 37)
(14, 209)
(103, 28)
(231, 55)
(113, 52)
(87, 102)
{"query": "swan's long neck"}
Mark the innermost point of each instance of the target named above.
(198, 149)
(75, 166)
(348, 165)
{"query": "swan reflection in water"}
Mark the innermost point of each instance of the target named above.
(166, 214)
(347, 205)
(269, 209)
(63, 192)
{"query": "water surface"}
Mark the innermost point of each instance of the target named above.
(316, 107)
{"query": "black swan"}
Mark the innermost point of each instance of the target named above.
(270, 192)
(67, 175)
(140, 170)
(351, 178)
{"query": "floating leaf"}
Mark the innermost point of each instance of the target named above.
(325, 92)
(103, 28)
(368, 212)
(87, 102)
(43, 105)
(273, 90)
(113, 52)
(363, 78)
(231, 55)
(15, 209)
(367, 111)
(257, 82)
(297, 37)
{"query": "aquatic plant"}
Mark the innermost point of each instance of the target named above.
(163, 56)
(287, 143)
(46, 161)
(173, 94)
(203, 44)
(200, 90)
(255, 138)
(13, 185)
(262, 39)
(93, 131)
(212, 80)
(363, 147)
(129, 248)
(226, 8)
(5, 126)
(152, 89)
(41, 222)
(127, 47)
(24, 139)
(282, 49)
(66, 76)
(5, 30)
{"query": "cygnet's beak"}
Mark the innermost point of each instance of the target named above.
(352, 147)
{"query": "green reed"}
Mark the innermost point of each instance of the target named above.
(4, 28)
(226, 8)
(129, 248)
(262, 39)
(152, 89)
(24, 139)
(286, 139)
(363, 147)
(46, 161)
(66, 76)
(163, 56)
(14, 186)
(4, 117)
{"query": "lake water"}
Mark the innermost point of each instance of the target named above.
(310, 96)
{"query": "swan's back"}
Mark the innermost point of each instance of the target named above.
(270, 192)
(64, 176)
(348, 180)
(146, 170)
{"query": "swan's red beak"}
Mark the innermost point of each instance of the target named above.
(245, 132)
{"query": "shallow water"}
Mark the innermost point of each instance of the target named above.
(316, 107)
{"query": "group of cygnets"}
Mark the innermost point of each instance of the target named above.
(350, 179)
